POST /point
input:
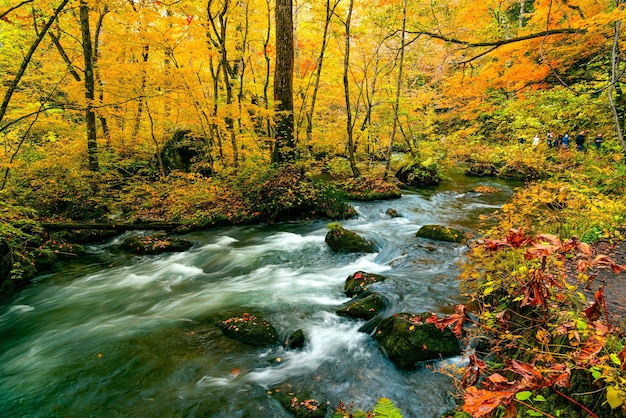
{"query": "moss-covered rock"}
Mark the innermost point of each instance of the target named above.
(360, 281)
(364, 308)
(296, 340)
(301, 405)
(249, 329)
(407, 339)
(341, 240)
(440, 233)
(154, 244)
(392, 213)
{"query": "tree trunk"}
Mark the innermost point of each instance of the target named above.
(90, 88)
(346, 85)
(396, 109)
(284, 147)
(615, 73)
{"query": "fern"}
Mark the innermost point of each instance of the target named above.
(385, 408)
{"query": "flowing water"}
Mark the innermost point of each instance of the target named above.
(111, 335)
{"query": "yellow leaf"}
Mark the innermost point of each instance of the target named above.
(614, 397)
(412, 327)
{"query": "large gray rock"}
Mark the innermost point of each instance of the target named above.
(407, 339)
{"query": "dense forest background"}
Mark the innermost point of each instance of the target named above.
(197, 114)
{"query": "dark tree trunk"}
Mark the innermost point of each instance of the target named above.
(90, 88)
(284, 148)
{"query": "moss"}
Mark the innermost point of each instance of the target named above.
(343, 241)
(440, 233)
(249, 329)
(360, 281)
(407, 339)
(154, 244)
(301, 405)
(365, 308)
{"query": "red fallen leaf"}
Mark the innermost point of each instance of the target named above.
(622, 358)
(480, 402)
(594, 312)
(562, 376)
(590, 349)
(473, 371)
(540, 250)
(531, 378)
(608, 262)
(358, 276)
(456, 320)
(516, 238)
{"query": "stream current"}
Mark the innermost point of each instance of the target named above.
(114, 335)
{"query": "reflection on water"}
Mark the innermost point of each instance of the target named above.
(113, 335)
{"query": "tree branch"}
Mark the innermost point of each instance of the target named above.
(500, 42)
(3, 14)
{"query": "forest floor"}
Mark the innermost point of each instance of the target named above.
(614, 284)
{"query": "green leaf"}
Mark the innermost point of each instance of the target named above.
(615, 359)
(539, 398)
(523, 396)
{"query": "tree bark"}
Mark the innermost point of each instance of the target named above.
(284, 147)
(346, 85)
(90, 88)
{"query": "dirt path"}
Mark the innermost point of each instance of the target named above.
(614, 284)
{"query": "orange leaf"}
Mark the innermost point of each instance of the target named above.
(480, 402)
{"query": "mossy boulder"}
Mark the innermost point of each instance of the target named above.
(154, 244)
(407, 339)
(301, 405)
(440, 233)
(392, 213)
(364, 308)
(296, 340)
(360, 281)
(342, 240)
(249, 329)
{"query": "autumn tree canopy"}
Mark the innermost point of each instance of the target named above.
(100, 81)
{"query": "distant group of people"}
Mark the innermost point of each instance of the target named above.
(563, 141)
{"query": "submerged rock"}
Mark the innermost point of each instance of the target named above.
(343, 241)
(392, 213)
(364, 308)
(301, 405)
(155, 244)
(296, 340)
(440, 233)
(407, 339)
(360, 281)
(249, 329)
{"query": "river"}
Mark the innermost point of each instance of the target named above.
(114, 335)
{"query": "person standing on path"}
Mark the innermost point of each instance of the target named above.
(599, 139)
(580, 141)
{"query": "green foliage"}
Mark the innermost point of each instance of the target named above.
(384, 408)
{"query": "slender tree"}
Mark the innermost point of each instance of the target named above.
(396, 108)
(346, 87)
